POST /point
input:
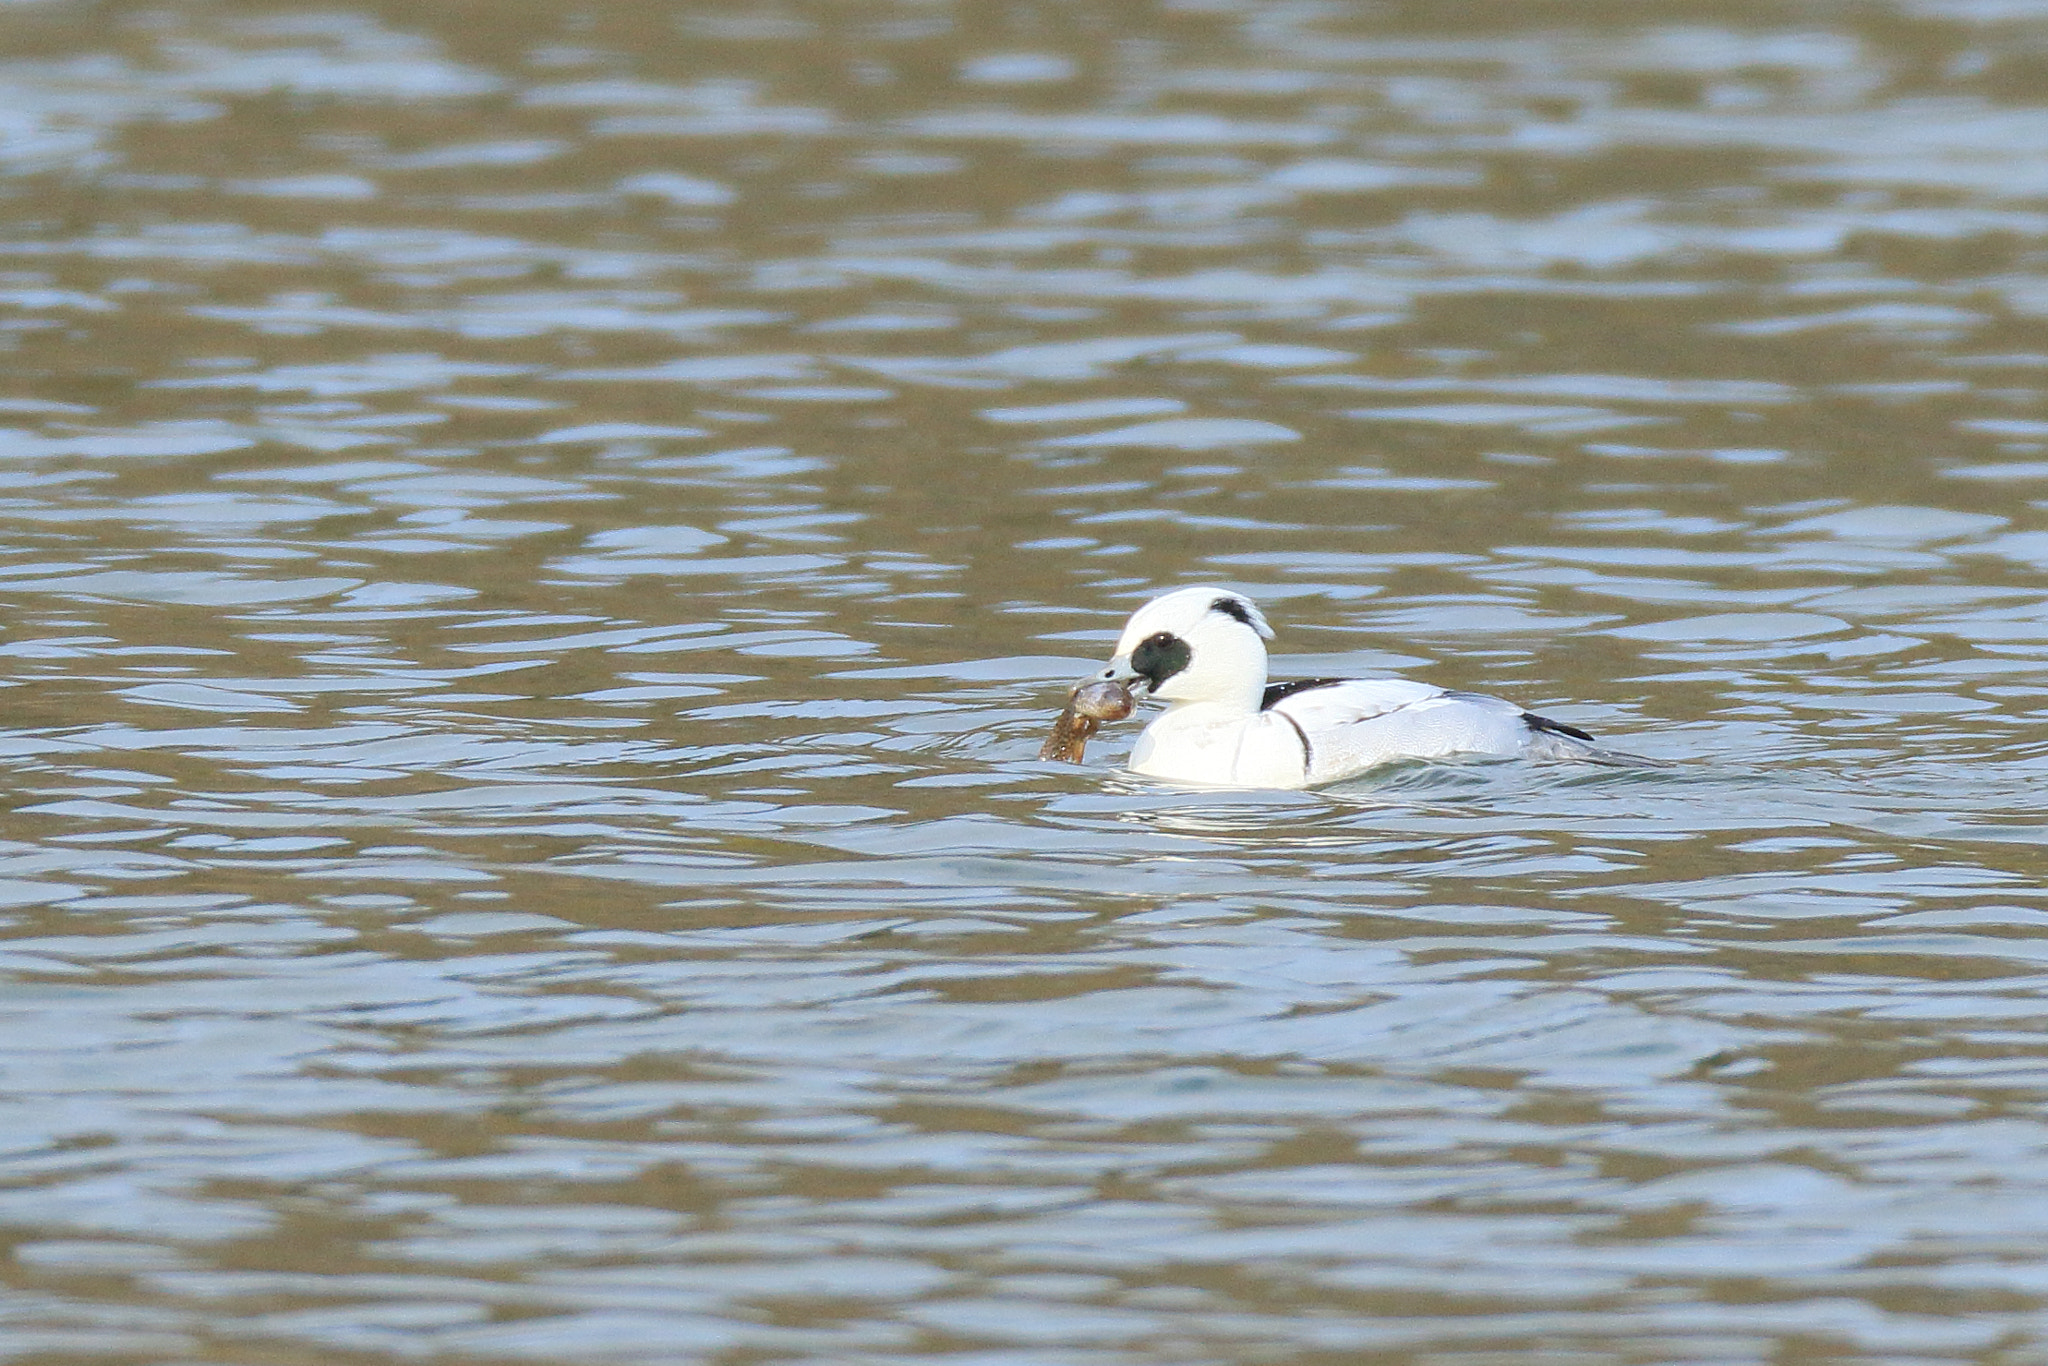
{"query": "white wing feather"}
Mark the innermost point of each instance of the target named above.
(1354, 699)
(1362, 722)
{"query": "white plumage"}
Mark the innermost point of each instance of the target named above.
(1202, 651)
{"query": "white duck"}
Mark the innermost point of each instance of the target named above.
(1203, 652)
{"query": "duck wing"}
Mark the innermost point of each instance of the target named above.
(1340, 701)
(1348, 725)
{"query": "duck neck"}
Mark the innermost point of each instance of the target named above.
(1238, 699)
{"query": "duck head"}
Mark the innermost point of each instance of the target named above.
(1194, 645)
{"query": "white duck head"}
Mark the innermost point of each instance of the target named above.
(1195, 645)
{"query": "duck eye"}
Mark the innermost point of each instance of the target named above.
(1160, 656)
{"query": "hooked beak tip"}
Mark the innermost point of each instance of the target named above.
(1136, 684)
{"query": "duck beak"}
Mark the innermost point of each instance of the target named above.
(1120, 672)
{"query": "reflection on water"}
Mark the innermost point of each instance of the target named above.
(540, 553)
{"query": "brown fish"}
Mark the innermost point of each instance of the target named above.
(1089, 704)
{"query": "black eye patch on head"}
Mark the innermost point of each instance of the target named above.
(1159, 657)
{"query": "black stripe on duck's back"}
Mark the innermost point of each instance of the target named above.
(1544, 725)
(1275, 691)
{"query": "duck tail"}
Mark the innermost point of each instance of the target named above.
(1550, 739)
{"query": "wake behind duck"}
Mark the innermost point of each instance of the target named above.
(1202, 651)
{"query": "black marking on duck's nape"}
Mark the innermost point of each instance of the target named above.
(1275, 691)
(1235, 609)
(1544, 725)
(1159, 657)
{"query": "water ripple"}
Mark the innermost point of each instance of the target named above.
(542, 557)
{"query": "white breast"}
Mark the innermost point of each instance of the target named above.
(1203, 744)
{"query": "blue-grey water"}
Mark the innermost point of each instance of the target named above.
(538, 544)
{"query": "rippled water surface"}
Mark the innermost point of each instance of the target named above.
(539, 542)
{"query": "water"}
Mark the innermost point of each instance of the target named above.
(540, 546)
